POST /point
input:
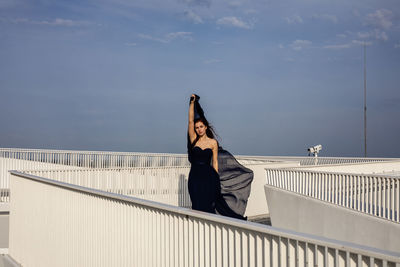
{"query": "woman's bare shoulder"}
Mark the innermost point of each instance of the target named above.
(213, 142)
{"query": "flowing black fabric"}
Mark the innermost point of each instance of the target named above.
(235, 182)
(234, 179)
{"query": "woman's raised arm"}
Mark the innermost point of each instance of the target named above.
(191, 132)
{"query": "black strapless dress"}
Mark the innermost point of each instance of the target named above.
(204, 185)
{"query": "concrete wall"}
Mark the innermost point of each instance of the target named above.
(257, 203)
(4, 225)
(303, 214)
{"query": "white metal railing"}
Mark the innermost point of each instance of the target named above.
(58, 224)
(305, 161)
(108, 159)
(166, 185)
(26, 158)
(96, 159)
(7, 164)
(29, 159)
(386, 168)
(377, 195)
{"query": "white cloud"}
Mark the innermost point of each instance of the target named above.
(377, 34)
(211, 61)
(206, 3)
(363, 35)
(296, 19)
(381, 35)
(130, 44)
(17, 21)
(326, 17)
(341, 35)
(381, 21)
(168, 37)
(55, 22)
(149, 37)
(281, 46)
(300, 44)
(346, 45)
(338, 46)
(358, 42)
(63, 22)
(381, 18)
(397, 45)
(183, 35)
(234, 22)
(250, 11)
(193, 17)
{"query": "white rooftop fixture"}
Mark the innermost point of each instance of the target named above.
(314, 150)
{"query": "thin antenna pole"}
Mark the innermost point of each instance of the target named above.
(365, 100)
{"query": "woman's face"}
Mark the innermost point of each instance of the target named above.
(200, 128)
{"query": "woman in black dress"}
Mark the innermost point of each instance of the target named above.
(204, 184)
(218, 183)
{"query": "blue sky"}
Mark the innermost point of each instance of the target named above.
(275, 77)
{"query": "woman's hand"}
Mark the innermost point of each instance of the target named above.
(192, 97)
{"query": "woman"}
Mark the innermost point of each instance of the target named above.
(222, 188)
(204, 186)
